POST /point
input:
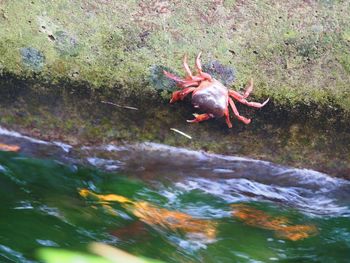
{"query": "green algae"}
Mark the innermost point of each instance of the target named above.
(296, 52)
(345, 61)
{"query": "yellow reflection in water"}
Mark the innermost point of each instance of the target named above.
(9, 148)
(106, 198)
(153, 215)
(282, 225)
(178, 221)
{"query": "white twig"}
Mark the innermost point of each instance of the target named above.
(182, 133)
(119, 106)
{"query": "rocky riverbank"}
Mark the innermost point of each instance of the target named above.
(71, 115)
(60, 60)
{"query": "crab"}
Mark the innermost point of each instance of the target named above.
(210, 95)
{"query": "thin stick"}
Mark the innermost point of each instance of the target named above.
(119, 106)
(182, 133)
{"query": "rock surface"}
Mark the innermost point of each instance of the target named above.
(297, 51)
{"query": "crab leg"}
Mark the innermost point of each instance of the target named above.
(187, 68)
(190, 80)
(189, 84)
(254, 104)
(235, 111)
(181, 94)
(182, 83)
(227, 116)
(201, 74)
(235, 95)
(201, 117)
(248, 89)
(173, 77)
(198, 63)
(241, 99)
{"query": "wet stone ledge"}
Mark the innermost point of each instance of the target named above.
(70, 114)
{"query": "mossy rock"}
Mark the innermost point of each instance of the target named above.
(296, 52)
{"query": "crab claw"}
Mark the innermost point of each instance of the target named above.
(200, 117)
(176, 96)
(195, 118)
(181, 94)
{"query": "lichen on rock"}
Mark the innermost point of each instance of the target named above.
(32, 58)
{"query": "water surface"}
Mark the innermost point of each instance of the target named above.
(168, 203)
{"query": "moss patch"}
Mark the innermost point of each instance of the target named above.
(296, 51)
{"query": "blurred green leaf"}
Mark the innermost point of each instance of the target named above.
(53, 255)
(117, 255)
(107, 254)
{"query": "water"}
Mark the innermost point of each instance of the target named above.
(168, 203)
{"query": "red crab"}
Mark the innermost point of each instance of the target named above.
(209, 95)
